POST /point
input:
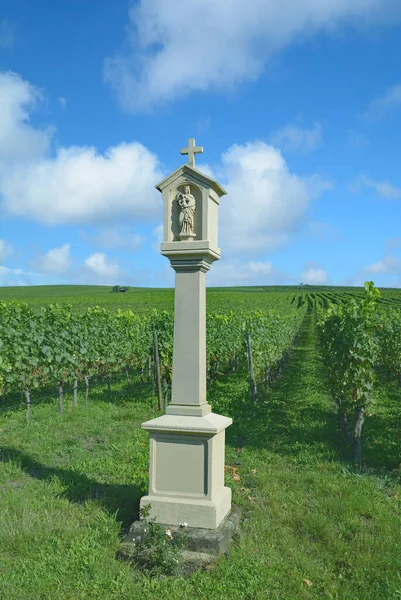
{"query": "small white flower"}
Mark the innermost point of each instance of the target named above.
(168, 532)
(184, 524)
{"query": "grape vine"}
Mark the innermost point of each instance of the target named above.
(350, 344)
(51, 345)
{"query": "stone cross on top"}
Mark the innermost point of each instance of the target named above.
(191, 151)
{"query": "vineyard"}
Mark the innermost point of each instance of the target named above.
(318, 368)
(54, 346)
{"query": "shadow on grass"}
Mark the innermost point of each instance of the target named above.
(382, 447)
(291, 416)
(120, 499)
(120, 393)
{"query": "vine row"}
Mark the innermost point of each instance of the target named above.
(53, 345)
(358, 339)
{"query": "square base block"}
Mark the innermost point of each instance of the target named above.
(186, 480)
(196, 512)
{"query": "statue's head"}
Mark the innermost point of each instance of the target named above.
(187, 189)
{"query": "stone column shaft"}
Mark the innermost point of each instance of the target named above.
(189, 351)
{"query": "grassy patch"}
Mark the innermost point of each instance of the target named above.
(313, 527)
(381, 444)
(143, 299)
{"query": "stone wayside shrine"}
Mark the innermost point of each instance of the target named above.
(187, 444)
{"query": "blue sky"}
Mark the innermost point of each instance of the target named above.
(296, 103)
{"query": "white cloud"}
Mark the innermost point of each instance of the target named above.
(324, 232)
(316, 184)
(355, 139)
(55, 261)
(7, 37)
(10, 277)
(293, 137)
(21, 277)
(218, 44)
(387, 190)
(384, 189)
(81, 185)
(5, 249)
(19, 140)
(393, 243)
(203, 125)
(78, 185)
(314, 274)
(62, 101)
(119, 237)
(266, 203)
(252, 272)
(390, 265)
(158, 234)
(102, 266)
(385, 104)
(357, 281)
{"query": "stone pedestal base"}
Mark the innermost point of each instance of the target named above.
(202, 546)
(186, 483)
(196, 512)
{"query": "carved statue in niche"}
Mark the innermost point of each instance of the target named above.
(187, 207)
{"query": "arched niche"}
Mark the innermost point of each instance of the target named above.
(175, 211)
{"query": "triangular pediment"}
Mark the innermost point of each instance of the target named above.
(192, 174)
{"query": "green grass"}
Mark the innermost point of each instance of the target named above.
(381, 444)
(140, 299)
(81, 296)
(143, 299)
(70, 485)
